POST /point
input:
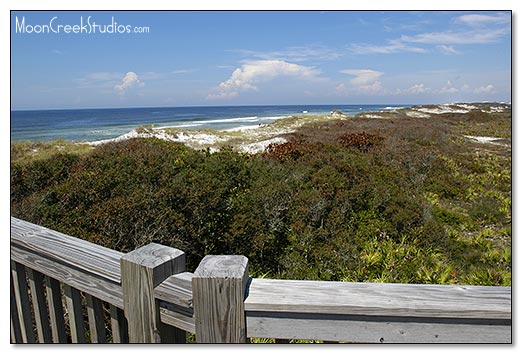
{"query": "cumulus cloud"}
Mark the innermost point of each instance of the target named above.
(366, 81)
(252, 73)
(485, 89)
(418, 89)
(130, 80)
(449, 88)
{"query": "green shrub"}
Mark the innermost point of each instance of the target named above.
(326, 205)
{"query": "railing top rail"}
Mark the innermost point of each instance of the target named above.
(379, 299)
(95, 259)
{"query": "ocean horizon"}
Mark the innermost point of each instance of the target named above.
(90, 125)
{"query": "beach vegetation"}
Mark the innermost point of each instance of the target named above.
(368, 200)
(29, 151)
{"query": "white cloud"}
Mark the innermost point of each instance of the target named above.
(362, 76)
(250, 74)
(130, 80)
(415, 89)
(449, 88)
(222, 95)
(342, 90)
(464, 88)
(478, 20)
(476, 36)
(448, 49)
(294, 54)
(394, 46)
(485, 89)
(373, 88)
(366, 81)
(477, 29)
(183, 71)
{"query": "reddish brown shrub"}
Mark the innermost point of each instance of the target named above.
(362, 141)
(289, 150)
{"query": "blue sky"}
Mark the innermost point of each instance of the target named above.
(240, 58)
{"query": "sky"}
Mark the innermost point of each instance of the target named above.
(195, 58)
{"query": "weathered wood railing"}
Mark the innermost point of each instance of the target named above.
(64, 289)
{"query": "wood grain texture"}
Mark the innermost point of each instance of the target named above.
(141, 271)
(119, 326)
(16, 333)
(379, 299)
(36, 284)
(96, 321)
(218, 287)
(177, 290)
(53, 245)
(23, 305)
(367, 329)
(56, 316)
(75, 311)
(177, 318)
(175, 301)
(98, 287)
(212, 302)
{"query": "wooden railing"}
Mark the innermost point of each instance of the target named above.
(64, 289)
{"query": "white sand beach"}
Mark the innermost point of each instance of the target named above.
(253, 139)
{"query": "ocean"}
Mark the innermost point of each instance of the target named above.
(83, 125)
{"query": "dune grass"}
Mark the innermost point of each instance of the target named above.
(28, 151)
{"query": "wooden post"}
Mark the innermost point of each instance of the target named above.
(218, 290)
(141, 271)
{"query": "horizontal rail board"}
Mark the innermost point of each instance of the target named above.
(365, 329)
(177, 318)
(379, 299)
(177, 290)
(93, 258)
